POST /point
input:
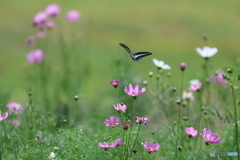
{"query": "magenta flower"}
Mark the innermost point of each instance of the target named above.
(73, 16)
(210, 137)
(39, 19)
(52, 10)
(112, 122)
(35, 56)
(134, 91)
(126, 125)
(141, 120)
(191, 132)
(115, 83)
(120, 107)
(118, 142)
(50, 24)
(16, 122)
(14, 107)
(106, 145)
(182, 66)
(195, 87)
(4, 116)
(31, 40)
(150, 147)
(218, 78)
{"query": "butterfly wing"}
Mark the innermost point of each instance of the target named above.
(139, 55)
(127, 49)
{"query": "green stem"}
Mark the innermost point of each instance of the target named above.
(180, 110)
(236, 125)
(135, 139)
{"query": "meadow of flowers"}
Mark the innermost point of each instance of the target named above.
(57, 123)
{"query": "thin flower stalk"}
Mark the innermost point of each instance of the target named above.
(139, 126)
(235, 119)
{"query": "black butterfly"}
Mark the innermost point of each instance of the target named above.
(135, 56)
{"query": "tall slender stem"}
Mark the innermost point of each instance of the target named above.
(135, 139)
(236, 125)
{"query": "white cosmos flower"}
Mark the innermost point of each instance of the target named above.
(161, 64)
(52, 155)
(194, 81)
(188, 95)
(207, 52)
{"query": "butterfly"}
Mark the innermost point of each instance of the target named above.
(135, 56)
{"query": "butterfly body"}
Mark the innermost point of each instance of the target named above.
(135, 56)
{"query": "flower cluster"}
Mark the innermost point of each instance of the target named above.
(43, 20)
(208, 136)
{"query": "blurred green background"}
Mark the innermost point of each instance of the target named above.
(170, 29)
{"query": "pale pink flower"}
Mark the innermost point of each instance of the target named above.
(134, 91)
(218, 78)
(210, 137)
(73, 16)
(52, 10)
(35, 56)
(112, 122)
(106, 145)
(50, 24)
(150, 147)
(115, 83)
(40, 35)
(195, 87)
(120, 107)
(14, 107)
(141, 120)
(4, 116)
(16, 122)
(39, 19)
(191, 132)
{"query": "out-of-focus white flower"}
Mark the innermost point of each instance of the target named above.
(52, 155)
(194, 81)
(188, 95)
(160, 64)
(206, 52)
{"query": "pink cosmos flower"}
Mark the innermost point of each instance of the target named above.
(52, 10)
(31, 40)
(218, 79)
(134, 91)
(120, 107)
(16, 122)
(141, 120)
(195, 87)
(191, 132)
(112, 122)
(39, 19)
(118, 142)
(210, 137)
(4, 116)
(115, 83)
(35, 56)
(150, 147)
(73, 16)
(14, 107)
(126, 125)
(50, 24)
(106, 145)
